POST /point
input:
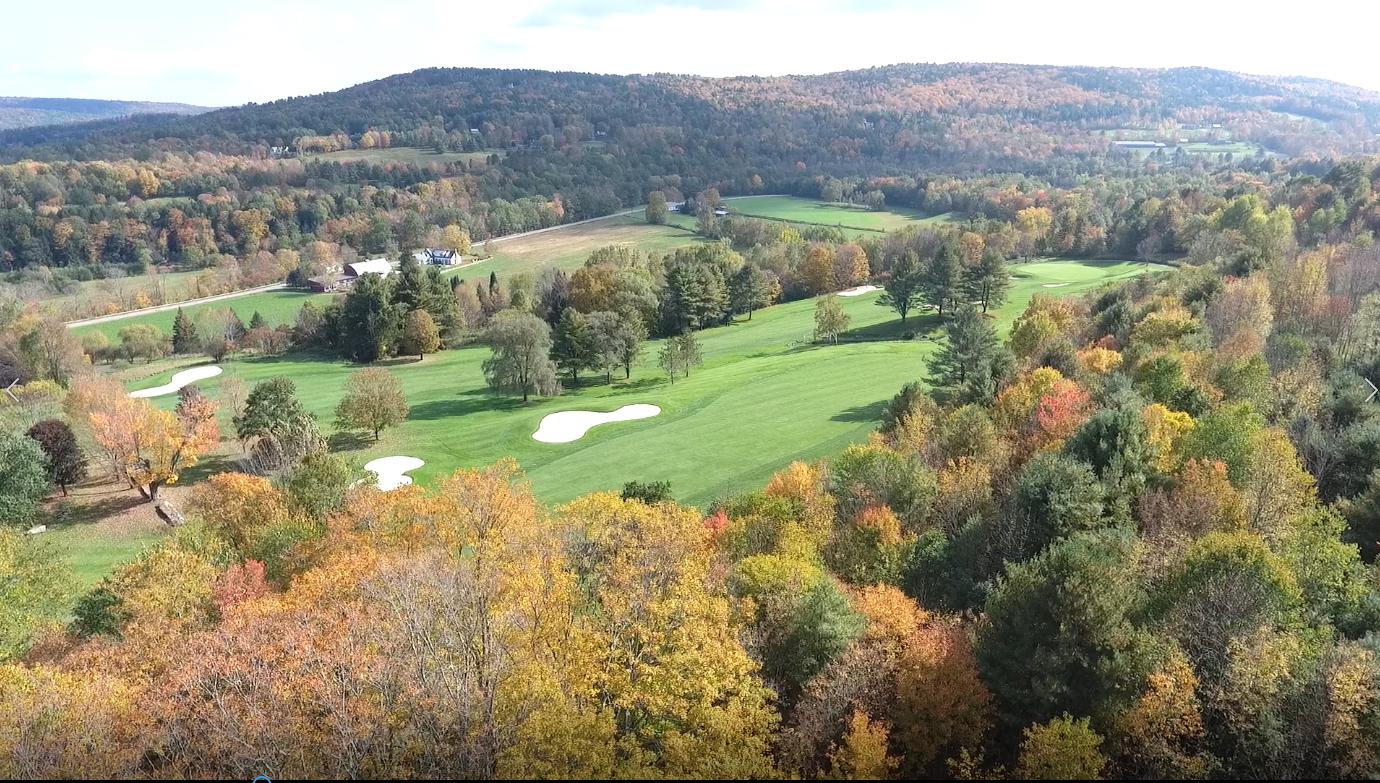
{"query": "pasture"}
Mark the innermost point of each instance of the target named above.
(791, 209)
(411, 155)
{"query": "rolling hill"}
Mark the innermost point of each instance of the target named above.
(1000, 115)
(31, 112)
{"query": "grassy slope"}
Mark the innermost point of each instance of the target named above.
(764, 397)
(848, 216)
(413, 155)
(277, 307)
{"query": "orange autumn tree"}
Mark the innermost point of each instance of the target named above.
(147, 447)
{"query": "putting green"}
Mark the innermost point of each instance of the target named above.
(765, 396)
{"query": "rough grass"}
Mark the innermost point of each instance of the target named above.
(413, 155)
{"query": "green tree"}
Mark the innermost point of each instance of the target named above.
(656, 208)
(679, 354)
(373, 401)
(901, 291)
(971, 361)
(271, 409)
(751, 288)
(368, 327)
(1059, 635)
(184, 336)
(830, 319)
(987, 281)
(420, 335)
(1062, 749)
(23, 480)
(33, 590)
(144, 341)
(649, 492)
(941, 280)
(257, 321)
(1055, 497)
(521, 360)
(319, 484)
(815, 629)
(573, 346)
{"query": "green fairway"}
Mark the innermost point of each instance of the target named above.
(848, 216)
(764, 397)
(277, 307)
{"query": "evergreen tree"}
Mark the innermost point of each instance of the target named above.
(410, 289)
(987, 281)
(184, 337)
(257, 321)
(902, 290)
(971, 361)
(942, 278)
(572, 344)
(368, 328)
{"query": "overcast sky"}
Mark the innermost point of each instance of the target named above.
(259, 50)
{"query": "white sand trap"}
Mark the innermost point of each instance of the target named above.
(565, 426)
(1055, 285)
(860, 290)
(179, 380)
(391, 469)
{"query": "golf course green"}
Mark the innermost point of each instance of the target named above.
(765, 395)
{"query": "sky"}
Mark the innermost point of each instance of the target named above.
(221, 54)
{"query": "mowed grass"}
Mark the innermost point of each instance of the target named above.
(848, 216)
(277, 307)
(412, 155)
(765, 396)
(568, 248)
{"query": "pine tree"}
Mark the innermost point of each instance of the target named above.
(572, 344)
(942, 278)
(184, 337)
(902, 290)
(971, 361)
(987, 281)
(257, 321)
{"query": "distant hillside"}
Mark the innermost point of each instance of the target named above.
(31, 112)
(923, 116)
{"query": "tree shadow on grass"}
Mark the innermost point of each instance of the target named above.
(447, 409)
(921, 326)
(85, 509)
(648, 382)
(861, 413)
(210, 465)
(348, 440)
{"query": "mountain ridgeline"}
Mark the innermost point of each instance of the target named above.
(33, 112)
(953, 117)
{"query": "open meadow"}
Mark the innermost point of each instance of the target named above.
(413, 155)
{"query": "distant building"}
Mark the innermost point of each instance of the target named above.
(437, 256)
(374, 266)
(675, 206)
(344, 279)
(1138, 144)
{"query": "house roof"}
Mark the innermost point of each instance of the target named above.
(374, 266)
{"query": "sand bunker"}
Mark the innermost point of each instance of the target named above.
(1055, 285)
(565, 426)
(860, 290)
(390, 471)
(179, 380)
